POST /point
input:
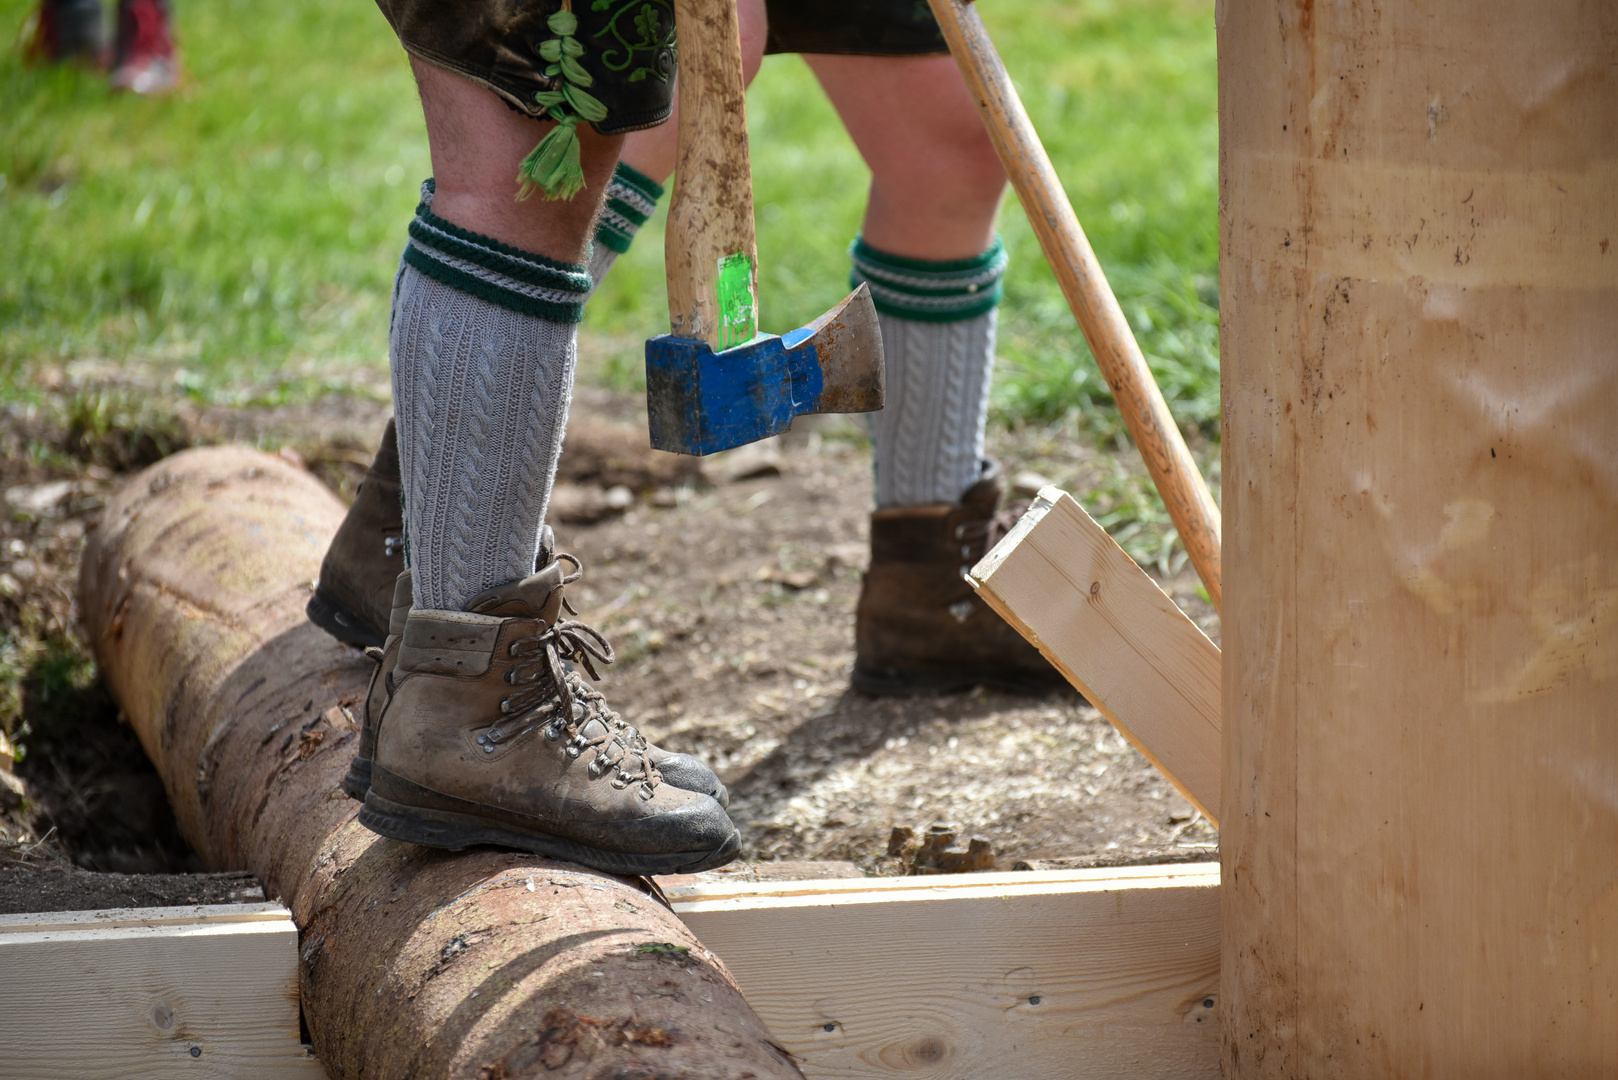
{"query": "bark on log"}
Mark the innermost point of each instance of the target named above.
(415, 963)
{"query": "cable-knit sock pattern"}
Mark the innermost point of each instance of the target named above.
(480, 394)
(929, 436)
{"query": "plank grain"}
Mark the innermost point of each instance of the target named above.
(1418, 317)
(1065, 974)
(150, 992)
(1071, 591)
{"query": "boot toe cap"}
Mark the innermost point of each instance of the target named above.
(688, 772)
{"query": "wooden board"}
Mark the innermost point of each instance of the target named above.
(1081, 974)
(1419, 362)
(1062, 582)
(204, 991)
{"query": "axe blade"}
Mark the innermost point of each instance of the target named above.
(700, 402)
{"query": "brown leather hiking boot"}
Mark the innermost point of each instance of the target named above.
(486, 739)
(919, 628)
(357, 781)
(353, 598)
(681, 770)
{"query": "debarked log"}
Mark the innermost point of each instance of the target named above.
(414, 963)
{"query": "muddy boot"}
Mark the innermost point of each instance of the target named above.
(487, 739)
(681, 770)
(919, 627)
(357, 781)
(354, 596)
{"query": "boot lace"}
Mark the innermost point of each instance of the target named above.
(562, 703)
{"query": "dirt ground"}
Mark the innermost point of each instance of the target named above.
(728, 587)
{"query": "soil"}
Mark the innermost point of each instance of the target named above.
(55, 887)
(728, 587)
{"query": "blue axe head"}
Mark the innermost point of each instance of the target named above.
(699, 401)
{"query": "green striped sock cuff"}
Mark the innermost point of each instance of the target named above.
(930, 291)
(484, 267)
(631, 198)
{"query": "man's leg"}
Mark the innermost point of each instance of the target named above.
(485, 735)
(354, 595)
(485, 314)
(930, 256)
(928, 251)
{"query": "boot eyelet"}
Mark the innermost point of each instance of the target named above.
(572, 751)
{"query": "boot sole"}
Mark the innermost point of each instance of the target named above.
(920, 683)
(341, 623)
(357, 781)
(455, 832)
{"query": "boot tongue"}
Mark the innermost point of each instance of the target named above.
(538, 596)
(983, 497)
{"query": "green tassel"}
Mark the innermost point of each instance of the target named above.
(553, 166)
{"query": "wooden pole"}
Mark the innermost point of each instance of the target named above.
(1062, 239)
(415, 963)
(1419, 271)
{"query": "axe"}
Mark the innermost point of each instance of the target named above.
(714, 382)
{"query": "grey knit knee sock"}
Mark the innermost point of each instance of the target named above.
(938, 323)
(482, 349)
(631, 198)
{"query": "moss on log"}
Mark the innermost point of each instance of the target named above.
(415, 963)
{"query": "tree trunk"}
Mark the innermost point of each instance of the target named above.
(415, 963)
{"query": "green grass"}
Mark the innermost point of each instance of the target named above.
(241, 237)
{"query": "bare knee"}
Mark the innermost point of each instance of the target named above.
(477, 144)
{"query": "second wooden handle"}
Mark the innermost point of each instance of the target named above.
(711, 255)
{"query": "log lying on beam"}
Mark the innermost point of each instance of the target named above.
(414, 963)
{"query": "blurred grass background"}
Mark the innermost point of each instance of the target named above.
(238, 240)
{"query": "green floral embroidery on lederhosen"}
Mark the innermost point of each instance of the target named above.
(553, 166)
(638, 37)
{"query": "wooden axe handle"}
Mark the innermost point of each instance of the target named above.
(711, 255)
(1062, 238)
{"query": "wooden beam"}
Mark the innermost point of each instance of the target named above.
(1073, 974)
(210, 991)
(1062, 582)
